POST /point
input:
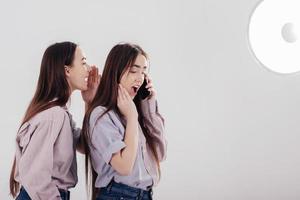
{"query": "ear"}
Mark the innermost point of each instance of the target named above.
(67, 71)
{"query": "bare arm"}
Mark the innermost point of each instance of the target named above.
(123, 161)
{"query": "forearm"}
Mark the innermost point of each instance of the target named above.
(156, 124)
(124, 161)
(157, 131)
(131, 141)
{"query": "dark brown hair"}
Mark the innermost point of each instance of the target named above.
(52, 88)
(119, 59)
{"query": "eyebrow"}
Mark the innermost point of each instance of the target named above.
(83, 58)
(138, 66)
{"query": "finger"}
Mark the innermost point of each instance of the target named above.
(93, 67)
(97, 75)
(120, 96)
(149, 85)
(149, 80)
(89, 80)
(94, 74)
(98, 79)
(91, 77)
(146, 75)
(119, 99)
(127, 94)
(122, 92)
(152, 91)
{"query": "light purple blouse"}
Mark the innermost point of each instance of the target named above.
(45, 154)
(107, 135)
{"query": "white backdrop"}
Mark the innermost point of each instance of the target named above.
(232, 126)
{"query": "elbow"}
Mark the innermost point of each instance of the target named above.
(162, 151)
(123, 164)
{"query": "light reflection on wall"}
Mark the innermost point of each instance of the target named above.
(274, 33)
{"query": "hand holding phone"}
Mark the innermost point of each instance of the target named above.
(143, 92)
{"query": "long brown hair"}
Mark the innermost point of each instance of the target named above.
(52, 89)
(119, 59)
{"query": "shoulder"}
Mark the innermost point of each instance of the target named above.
(99, 110)
(49, 121)
(97, 113)
(55, 113)
(100, 114)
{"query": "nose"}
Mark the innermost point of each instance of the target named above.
(140, 78)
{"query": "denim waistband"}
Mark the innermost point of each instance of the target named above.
(127, 190)
(65, 194)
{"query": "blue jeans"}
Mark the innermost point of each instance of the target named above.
(23, 195)
(119, 191)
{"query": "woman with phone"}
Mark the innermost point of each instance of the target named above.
(45, 167)
(123, 129)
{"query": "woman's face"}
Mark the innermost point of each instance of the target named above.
(78, 73)
(134, 76)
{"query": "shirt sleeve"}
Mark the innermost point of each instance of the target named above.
(105, 135)
(156, 124)
(36, 163)
(75, 130)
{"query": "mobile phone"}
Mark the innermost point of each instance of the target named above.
(143, 93)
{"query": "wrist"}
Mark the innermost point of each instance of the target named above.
(132, 118)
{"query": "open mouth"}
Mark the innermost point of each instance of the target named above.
(135, 88)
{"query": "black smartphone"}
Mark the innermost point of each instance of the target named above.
(143, 93)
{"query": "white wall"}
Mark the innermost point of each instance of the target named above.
(232, 125)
